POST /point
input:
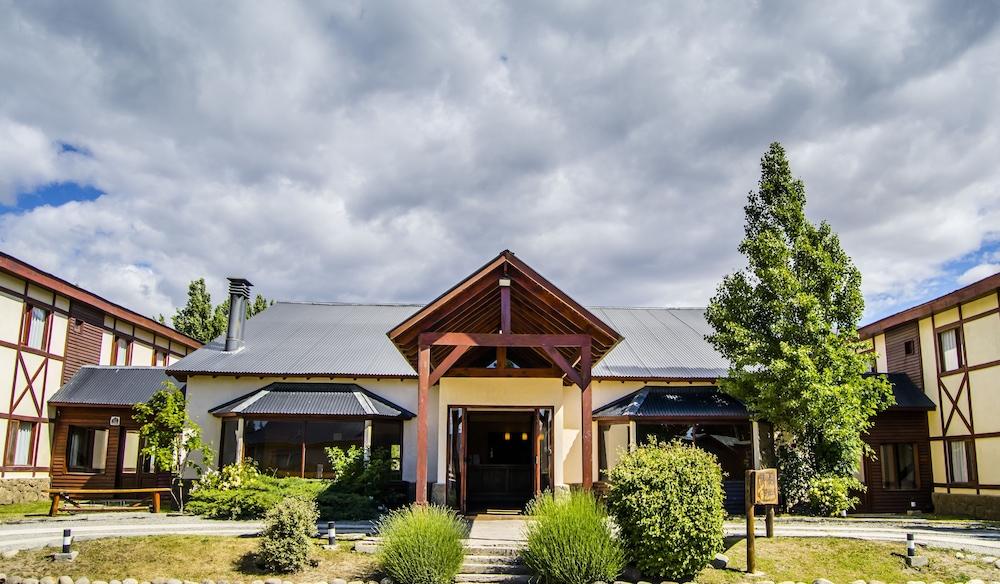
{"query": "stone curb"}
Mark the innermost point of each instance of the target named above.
(5, 579)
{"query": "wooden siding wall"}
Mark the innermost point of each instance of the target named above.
(91, 417)
(897, 361)
(898, 428)
(83, 347)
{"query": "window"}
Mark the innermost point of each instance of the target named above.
(119, 352)
(20, 443)
(909, 348)
(130, 452)
(159, 358)
(899, 466)
(962, 461)
(133, 460)
(387, 436)
(227, 451)
(86, 449)
(611, 443)
(949, 348)
(35, 325)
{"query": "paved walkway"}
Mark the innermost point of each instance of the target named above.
(38, 532)
(973, 536)
(979, 537)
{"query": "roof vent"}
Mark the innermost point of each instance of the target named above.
(239, 294)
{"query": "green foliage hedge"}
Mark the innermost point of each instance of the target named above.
(667, 502)
(422, 544)
(833, 495)
(571, 541)
(287, 536)
(240, 491)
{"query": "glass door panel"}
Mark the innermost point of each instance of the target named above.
(455, 486)
(543, 450)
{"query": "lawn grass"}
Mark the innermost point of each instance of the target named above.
(20, 510)
(186, 557)
(842, 561)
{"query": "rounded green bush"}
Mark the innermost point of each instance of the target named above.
(421, 544)
(571, 541)
(667, 501)
(287, 536)
(832, 495)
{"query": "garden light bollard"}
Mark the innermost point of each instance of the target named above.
(67, 540)
(912, 559)
(911, 545)
(331, 533)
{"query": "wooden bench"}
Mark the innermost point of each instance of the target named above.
(59, 495)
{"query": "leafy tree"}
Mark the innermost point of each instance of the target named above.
(199, 320)
(196, 318)
(787, 323)
(168, 434)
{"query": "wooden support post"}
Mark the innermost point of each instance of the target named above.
(54, 509)
(423, 389)
(156, 502)
(751, 551)
(769, 521)
(587, 414)
(587, 423)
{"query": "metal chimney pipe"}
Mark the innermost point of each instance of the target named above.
(239, 294)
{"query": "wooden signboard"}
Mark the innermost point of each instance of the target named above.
(761, 489)
(766, 486)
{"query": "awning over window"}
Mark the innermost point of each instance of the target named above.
(655, 402)
(908, 396)
(312, 399)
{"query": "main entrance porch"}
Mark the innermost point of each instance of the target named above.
(498, 458)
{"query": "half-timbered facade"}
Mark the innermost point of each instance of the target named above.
(949, 347)
(49, 329)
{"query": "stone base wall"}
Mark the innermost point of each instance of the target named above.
(976, 506)
(23, 490)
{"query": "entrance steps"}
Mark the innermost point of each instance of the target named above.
(493, 565)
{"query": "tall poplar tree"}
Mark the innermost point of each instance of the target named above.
(199, 320)
(787, 323)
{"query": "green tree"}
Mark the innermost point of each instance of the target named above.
(169, 437)
(199, 320)
(196, 319)
(787, 323)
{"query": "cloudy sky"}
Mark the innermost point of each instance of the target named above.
(374, 151)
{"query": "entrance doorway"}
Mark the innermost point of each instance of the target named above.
(498, 459)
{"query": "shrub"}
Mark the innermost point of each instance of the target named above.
(241, 492)
(421, 544)
(571, 542)
(287, 536)
(667, 501)
(345, 506)
(353, 474)
(831, 496)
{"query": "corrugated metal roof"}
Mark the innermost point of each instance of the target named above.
(908, 395)
(674, 402)
(350, 339)
(111, 386)
(321, 399)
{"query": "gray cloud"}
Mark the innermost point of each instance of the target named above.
(382, 151)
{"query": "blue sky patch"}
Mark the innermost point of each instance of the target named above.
(52, 194)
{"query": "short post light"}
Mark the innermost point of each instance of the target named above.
(67, 554)
(912, 559)
(331, 535)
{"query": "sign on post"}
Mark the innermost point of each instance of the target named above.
(761, 489)
(766, 488)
